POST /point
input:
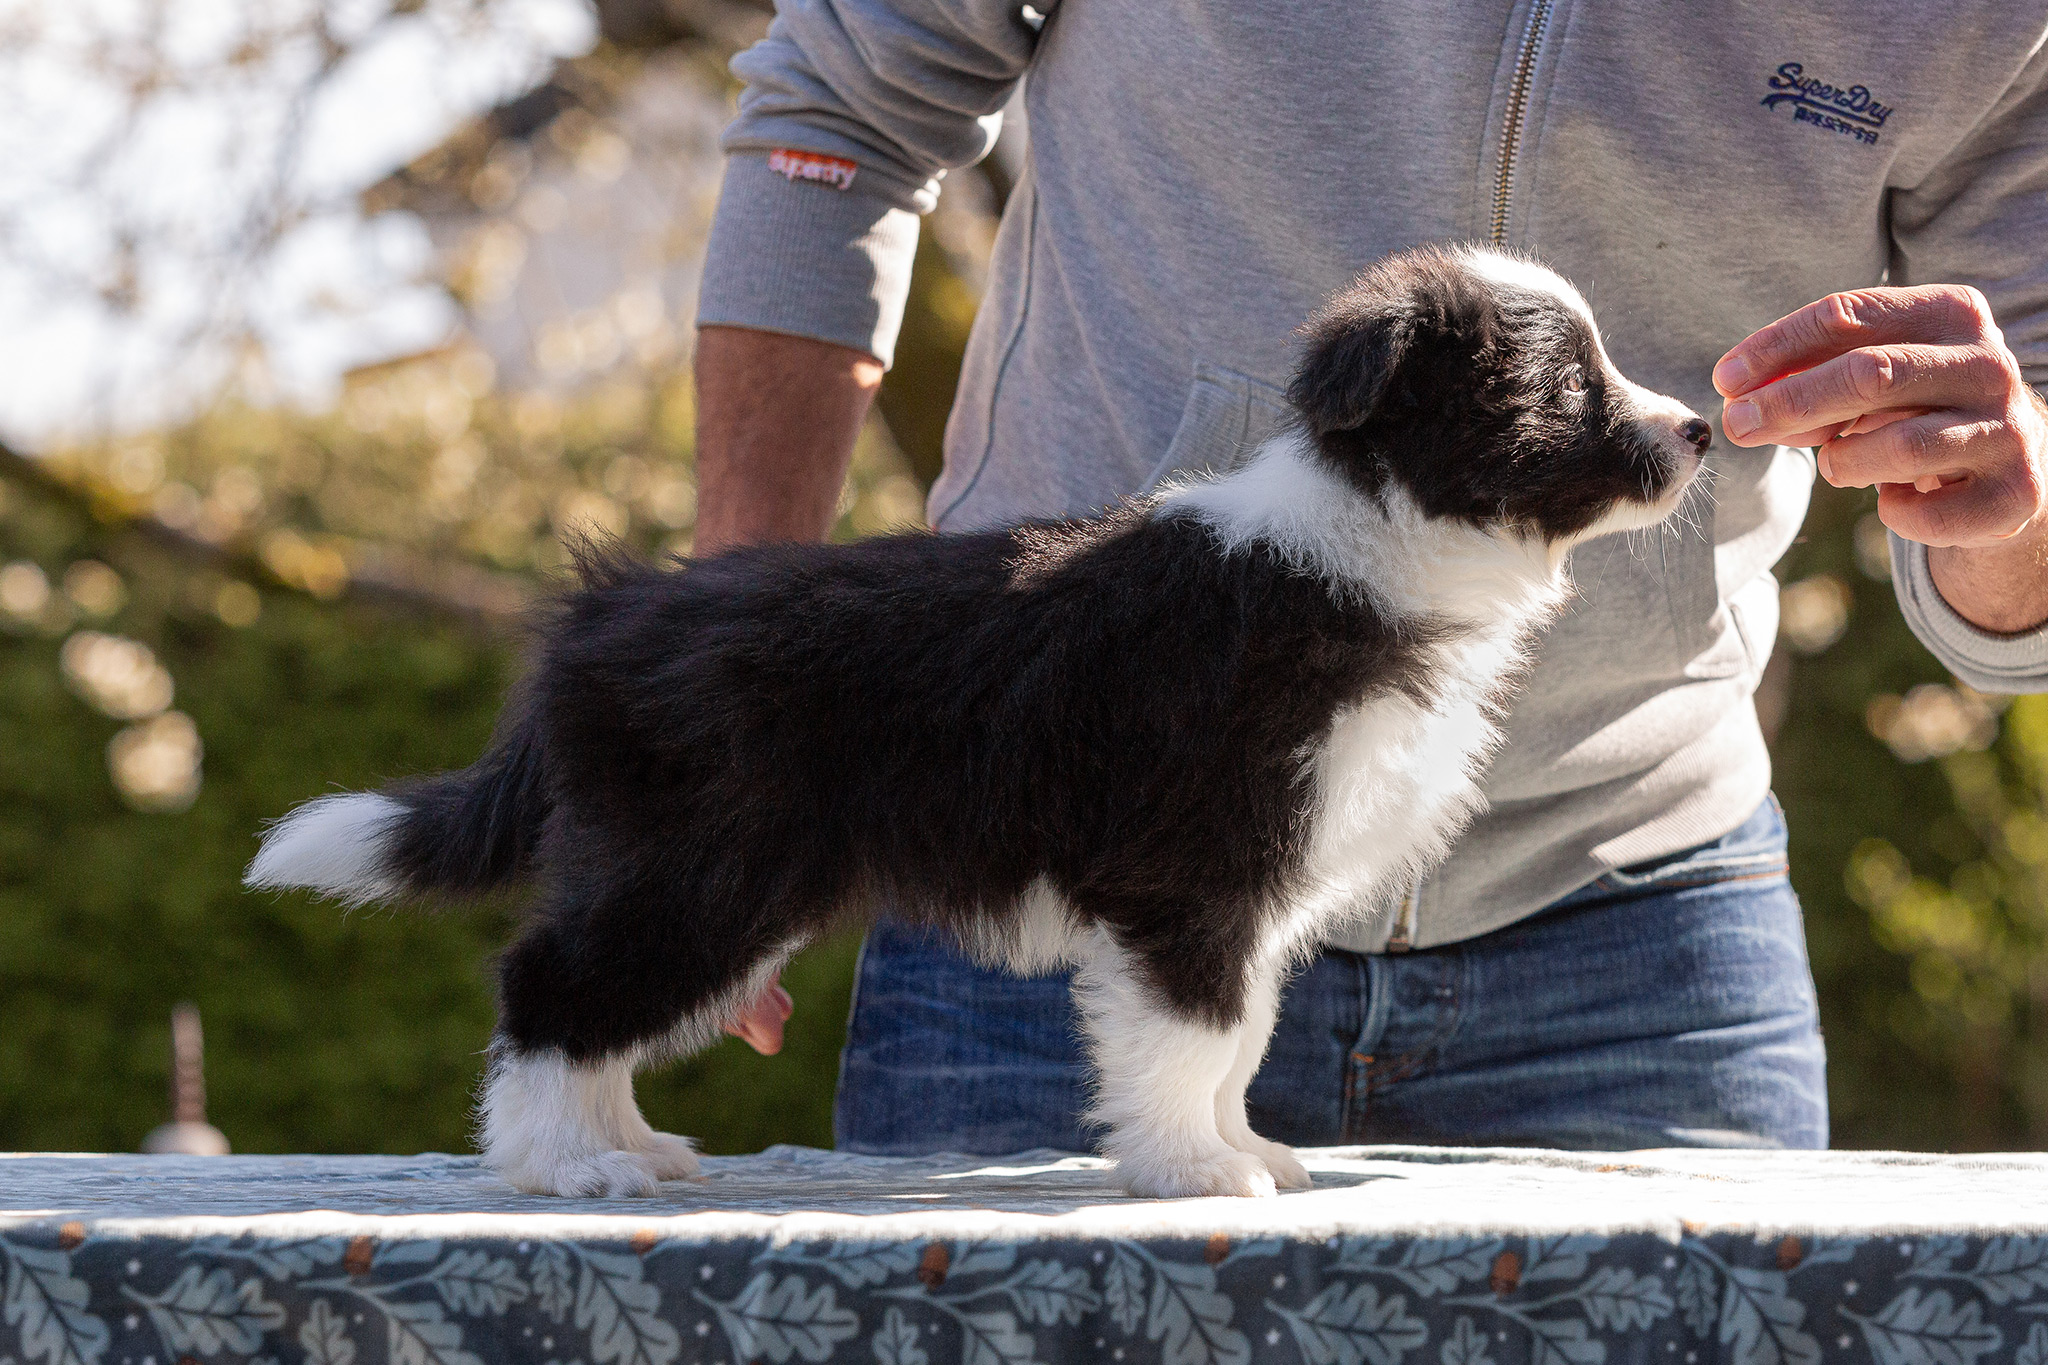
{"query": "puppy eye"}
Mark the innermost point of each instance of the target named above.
(1573, 380)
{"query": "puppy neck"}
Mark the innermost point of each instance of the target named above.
(1382, 548)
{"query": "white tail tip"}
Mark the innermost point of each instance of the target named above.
(335, 846)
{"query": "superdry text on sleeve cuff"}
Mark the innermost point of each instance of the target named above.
(807, 253)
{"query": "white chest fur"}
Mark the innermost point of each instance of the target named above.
(1395, 779)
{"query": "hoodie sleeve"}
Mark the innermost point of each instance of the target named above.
(1987, 662)
(852, 113)
(1981, 218)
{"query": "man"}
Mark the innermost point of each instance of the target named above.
(1612, 957)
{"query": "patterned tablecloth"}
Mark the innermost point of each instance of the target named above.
(1399, 1256)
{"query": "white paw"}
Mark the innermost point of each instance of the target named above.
(1288, 1173)
(672, 1157)
(1224, 1171)
(598, 1175)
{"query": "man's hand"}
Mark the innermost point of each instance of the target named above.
(1915, 391)
(776, 421)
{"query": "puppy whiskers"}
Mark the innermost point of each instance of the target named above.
(1700, 491)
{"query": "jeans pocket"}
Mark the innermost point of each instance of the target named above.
(1227, 416)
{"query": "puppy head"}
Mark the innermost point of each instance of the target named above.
(1477, 383)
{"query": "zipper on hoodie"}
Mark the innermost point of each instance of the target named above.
(1403, 937)
(1533, 33)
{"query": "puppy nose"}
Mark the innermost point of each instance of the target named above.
(1697, 432)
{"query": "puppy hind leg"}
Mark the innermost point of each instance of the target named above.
(1158, 1073)
(674, 1157)
(558, 1115)
(550, 1125)
(1262, 1007)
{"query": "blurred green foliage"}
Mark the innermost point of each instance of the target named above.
(1919, 819)
(325, 1031)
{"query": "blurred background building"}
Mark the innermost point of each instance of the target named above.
(322, 323)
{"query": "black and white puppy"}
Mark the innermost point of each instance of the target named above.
(1172, 746)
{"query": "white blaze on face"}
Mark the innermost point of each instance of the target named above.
(1662, 414)
(1514, 272)
(1658, 414)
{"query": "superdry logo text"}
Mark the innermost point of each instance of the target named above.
(1849, 110)
(826, 170)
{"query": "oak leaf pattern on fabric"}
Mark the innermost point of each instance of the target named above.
(79, 1294)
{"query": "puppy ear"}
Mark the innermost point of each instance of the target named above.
(1349, 364)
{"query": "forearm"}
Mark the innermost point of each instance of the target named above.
(777, 417)
(2001, 588)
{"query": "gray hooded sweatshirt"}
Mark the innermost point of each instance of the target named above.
(1202, 172)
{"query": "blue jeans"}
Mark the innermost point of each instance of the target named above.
(1669, 1004)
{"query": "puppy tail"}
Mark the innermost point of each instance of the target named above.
(457, 834)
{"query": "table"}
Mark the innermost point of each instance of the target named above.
(1399, 1256)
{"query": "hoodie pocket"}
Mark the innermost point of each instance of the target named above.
(1226, 417)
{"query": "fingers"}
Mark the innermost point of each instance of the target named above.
(1815, 404)
(759, 1022)
(1972, 513)
(1931, 445)
(1936, 313)
(1875, 421)
(1912, 390)
(1870, 421)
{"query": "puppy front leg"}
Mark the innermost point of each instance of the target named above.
(1261, 1008)
(1158, 1073)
